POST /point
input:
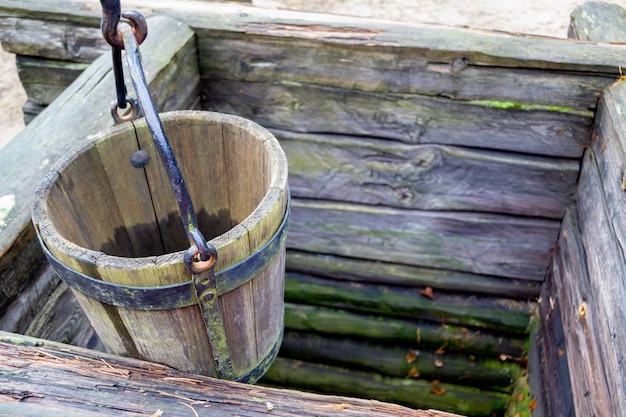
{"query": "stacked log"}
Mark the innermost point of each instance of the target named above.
(429, 174)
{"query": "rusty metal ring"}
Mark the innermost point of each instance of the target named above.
(194, 263)
(130, 115)
(111, 33)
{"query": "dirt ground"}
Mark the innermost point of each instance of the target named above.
(537, 17)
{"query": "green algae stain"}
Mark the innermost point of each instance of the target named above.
(511, 105)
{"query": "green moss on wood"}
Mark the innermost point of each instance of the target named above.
(506, 315)
(511, 105)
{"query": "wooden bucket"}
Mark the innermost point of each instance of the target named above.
(114, 234)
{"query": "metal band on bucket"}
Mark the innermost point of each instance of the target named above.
(169, 296)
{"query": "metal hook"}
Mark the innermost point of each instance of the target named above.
(111, 15)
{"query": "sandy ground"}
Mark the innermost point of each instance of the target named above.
(537, 17)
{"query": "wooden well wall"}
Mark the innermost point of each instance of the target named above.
(422, 158)
(578, 364)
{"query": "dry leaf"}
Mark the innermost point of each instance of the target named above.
(413, 373)
(269, 406)
(561, 352)
(518, 397)
(437, 389)
(428, 292)
(533, 405)
(341, 406)
(441, 350)
(410, 357)
(157, 413)
(438, 363)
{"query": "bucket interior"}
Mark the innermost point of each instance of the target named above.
(101, 202)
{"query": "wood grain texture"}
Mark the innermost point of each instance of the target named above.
(440, 44)
(379, 328)
(78, 39)
(487, 313)
(42, 377)
(44, 80)
(414, 393)
(427, 177)
(405, 70)
(490, 374)
(555, 388)
(579, 309)
(598, 21)
(410, 119)
(489, 244)
(606, 263)
(18, 315)
(386, 273)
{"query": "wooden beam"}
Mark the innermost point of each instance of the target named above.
(409, 333)
(39, 377)
(427, 177)
(489, 374)
(45, 79)
(593, 294)
(387, 273)
(479, 243)
(579, 309)
(486, 313)
(470, 402)
(442, 44)
(410, 119)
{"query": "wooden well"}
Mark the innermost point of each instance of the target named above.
(457, 204)
(102, 217)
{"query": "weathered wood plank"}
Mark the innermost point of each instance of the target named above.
(70, 38)
(61, 320)
(607, 272)
(488, 244)
(386, 273)
(264, 59)
(409, 119)
(598, 21)
(490, 374)
(172, 73)
(39, 377)
(578, 307)
(23, 309)
(556, 388)
(414, 393)
(45, 79)
(507, 316)
(401, 332)
(439, 43)
(427, 177)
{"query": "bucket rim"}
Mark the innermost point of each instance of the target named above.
(275, 196)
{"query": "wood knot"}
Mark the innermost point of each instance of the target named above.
(459, 64)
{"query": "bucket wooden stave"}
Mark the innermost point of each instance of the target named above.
(102, 217)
